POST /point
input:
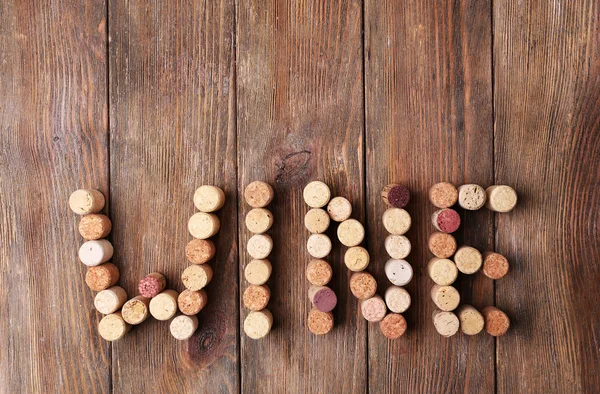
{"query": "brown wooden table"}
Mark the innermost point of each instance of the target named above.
(147, 100)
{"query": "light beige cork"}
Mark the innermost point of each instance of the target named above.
(183, 327)
(258, 324)
(445, 323)
(471, 197)
(191, 302)
(95, 252)
(256, 298)
(373, 309)
(398, 272)
(445, 298)
(110, 300)
(258, 194)
(397, 246)
(203, 225)
(318, 245)
(442, 245)
(316, 221)
(200, 251)
(94, 226)
(397, 299)
(316, 194)
(468, 260)
(393, 326)
(442, 271)
(196, 277)
(471, 321)
(501, 198)
(495, 266)
(351, 232)
(260, 246)
(112, 327)
(319, 272)
(396, 221)
(102, 276)
(320, 323)
(85, 201)
(209, 198)
(164, 305)
(339, 209)
(259, 220)
(136, 310)
(356, 258)
(497, 322)
(363, 285)
(258, 272)
(443, 195)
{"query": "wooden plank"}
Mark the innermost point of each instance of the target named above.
(172, 122)
(547, 107)
(300, 118)
(428, 119)
(53, 107)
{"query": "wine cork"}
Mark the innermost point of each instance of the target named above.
(151, 285)
(445, 298)
(397, 299)
(183, 327)
(445, 323)
(393, 325)
(319, 272)
(443, 195)
(396, 221)
(102, 276)
(446, 220)
(209, 198)
(468, 260)
(110, 300)
(318, 245)
(112, 327)
(95, 252)
(196, 277)
(260, 246)
(85, 201)
(94, 226)
(496, 321)
(136, 310)
(320, 323)
(396, 196)
(471, 197)
(316, 221)
(258, 272)
(350, 232)
(316, 194)
(258, 194)
(164, 305)
(200, 251)
(356, 258)
(373, 309)
(256, 298)
(397, 246)
(203, 225)
(322, 298)
(471, 321)
(339, 209)
(191, 302)
(495, 266)
(259, 220)
(363, 285)
(442, 245)
(442, 271)
(258, 324)
(399, 272)
(501, 198)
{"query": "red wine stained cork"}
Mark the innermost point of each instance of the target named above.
(203, 225)
(258, 272)
(110, 300)
(443, 195)
(86, 201)
(260, 246)
(445, 298)
(468, 260)
(200, 251)
(363, 285)
(318, 245)
(259, 220)
(442, 271)
(445, 323)
(164, 305)
(102, 276)
(316, 221)
(191, 302)
(471, 197)
(209, 198)
(501, 198)
(183, 327)
(322, 298)
(471, 321)
(320, 323)
(151, 285)
(397, 299)
(95, 252)
(339, 209)
(136, 310)
(495, 266)
(258, 194)
(319, 272)
(446, 220)
(316, 194)
(373, 309)
(112, 327)
(393, 325)
(196, 277)
(496, 321)
(396, 196)
(356, 258)
(94, 226)
(442, 245)
(396, 221)
(399, 272)
(397, 246)
(350, 232)
(256, 298)
(258, 324)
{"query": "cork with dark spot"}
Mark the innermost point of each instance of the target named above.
(320, 323)
(442, 245)
(102, 276)
(496, 321)
(471, 197)
(396, 196)
(363, 285)
(322, 298)
(152, 285)
(495, 266)
(94, 226)
(136, 310)
(316, 221)
(259, 220)
(339, 209)
(445, 298)
(258, 194)
(191, 302)
(443, 195)
(200, 251)
(393, 325)
(446, 220)
(319, 272)
(256, 298)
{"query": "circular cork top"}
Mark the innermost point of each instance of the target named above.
(183, 327)
(316, 194)
(191, 302)
(497, 322)
(258, 194)
(445, 298)
(256, 298)
(322, 298)
(320, 323)
(319, 272)
(397, 246)
(259, 220)
(258, 272)
(102, 276)
(135, 311)
(468, 260)
(501, 198)
(86, 201)
(258, 324)
(203, 225)
(399, 272)
(397, 299)
(200, 251)
(446, 220)
(356, 258)
(373, 309)
(152, 284)
(92, 253)
(445, 323)
(396, 221)
(396, 196)
(260, 246)
(471, 321)
(393, 325)
(339, 209)
(351, 232)
(316, 221)
(442, 245)
(164, 305)
(110, 300)
(318, 245)
(471, 197)
(443, 195)
(495, 266)
(196, 277)
(363, 285)
(94, 226)
(209, 198)
(442, 271)
(112, 327)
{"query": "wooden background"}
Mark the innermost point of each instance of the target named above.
(147, 100)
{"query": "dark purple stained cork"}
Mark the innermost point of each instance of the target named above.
(324, 300)
(152, 285)
(398, 196)
(448, 220)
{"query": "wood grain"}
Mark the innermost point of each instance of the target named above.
(300, 118)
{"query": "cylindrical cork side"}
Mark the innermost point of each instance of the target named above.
(94, 226)
(396, 196)
(203, 225)
(446, 220)
(196, 277)
(164, 305)
(208, 198)
(443, 195)
(258, 324)
(442, 271)
(183, 327)
(152, 284)
(256, 298)
(501, 198)
(96, 252)
(497, 322)
(110, 300)
(471, 197)
(322, 298)
(320, 323)
(102, 276)
(85, 201)
(319, 272)
(442, 245)
(495, 266)
(191, 302)
(471, 321)
(446, 323)
(112, 327)
(136, 310)
(445, 298)
(200, 251)
(468, 260)
(393, 325)
(363, 285)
